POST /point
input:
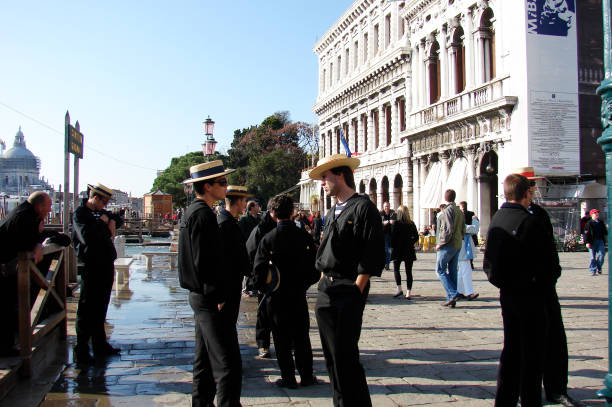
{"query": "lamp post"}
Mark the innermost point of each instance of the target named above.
(208, 148)
(605, 91)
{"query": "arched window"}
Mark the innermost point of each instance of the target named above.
(372, 192)
(433, 70)
(458, 60)
(385, 189)
(487, 45)
(397, 190)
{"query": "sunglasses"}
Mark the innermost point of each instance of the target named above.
(222, 182)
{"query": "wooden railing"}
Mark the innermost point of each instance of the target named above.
(33, 329)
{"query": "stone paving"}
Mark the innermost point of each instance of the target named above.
(414, 352)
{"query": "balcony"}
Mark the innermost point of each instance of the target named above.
(489, 96)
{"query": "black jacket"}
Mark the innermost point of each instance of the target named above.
(292, 251)
(235, 257)
(246, 224)
(93, 242)
(266, 225)
(200, 258)
(19, 231)
(403, 238)
(595, 230)
(353, 243)
(517, 256)
(543, 216)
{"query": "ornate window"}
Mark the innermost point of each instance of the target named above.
(433, 72)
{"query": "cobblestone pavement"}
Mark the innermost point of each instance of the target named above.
(414, 352)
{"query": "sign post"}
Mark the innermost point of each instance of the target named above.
(74, 145)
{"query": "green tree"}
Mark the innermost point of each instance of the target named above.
(171, 179)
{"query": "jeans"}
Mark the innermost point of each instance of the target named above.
(387, 249)
(446, 268)
(598, 252)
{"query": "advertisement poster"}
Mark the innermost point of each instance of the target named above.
(552, 64)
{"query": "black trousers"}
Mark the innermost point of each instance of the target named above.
(96, 286)
(556, 363)
(398, 277)
(522, 360)
(262, 324)
(290, 328)
(217, 365)
(339, 313)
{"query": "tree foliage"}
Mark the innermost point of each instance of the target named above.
(171, 179)
(268, 159)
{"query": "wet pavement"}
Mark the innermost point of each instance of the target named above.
(414, 352)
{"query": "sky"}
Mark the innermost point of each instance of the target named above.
(141, 77)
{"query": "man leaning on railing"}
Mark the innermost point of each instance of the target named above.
(20, 231)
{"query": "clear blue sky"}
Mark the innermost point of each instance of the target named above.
(141, 76)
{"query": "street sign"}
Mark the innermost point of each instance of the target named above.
(75, 142)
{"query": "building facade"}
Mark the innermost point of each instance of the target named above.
(437, 94)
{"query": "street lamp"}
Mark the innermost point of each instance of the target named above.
(208, 148)
(605, 90)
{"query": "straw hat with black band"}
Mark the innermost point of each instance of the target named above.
(333, 161)
(209, 170)
(101, 190)
(237, 190)
(527, 172)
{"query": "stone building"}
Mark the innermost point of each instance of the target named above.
(436, 94)
(157, 204)
(20, 169)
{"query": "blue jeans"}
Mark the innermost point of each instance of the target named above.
(446, 268)
(598, 252)
(387, 249)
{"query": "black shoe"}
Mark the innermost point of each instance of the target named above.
(386, 267)
(106, 350)
(310, 381)
(450, 303)
(460, 297)
(564, 400)
(287, 384)
(82, 356)
(472, 297)
(398, 294)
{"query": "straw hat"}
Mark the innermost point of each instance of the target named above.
(527, 172)
(333, 161)
(101, 189)
(211, 169)
(273, 278)
(237, 190)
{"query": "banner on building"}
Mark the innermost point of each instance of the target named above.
(552, 74)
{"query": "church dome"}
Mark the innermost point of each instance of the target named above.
(19, 149)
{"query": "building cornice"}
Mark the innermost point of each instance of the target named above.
(399, 57)
(353, 13)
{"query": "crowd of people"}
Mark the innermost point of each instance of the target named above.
(228, 250)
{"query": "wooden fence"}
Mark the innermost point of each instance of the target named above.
(36, 320)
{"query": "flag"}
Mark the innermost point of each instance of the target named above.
(345, 144)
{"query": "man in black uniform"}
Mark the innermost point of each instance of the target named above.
(234, 245)
(556, 362)
(352, 250)
(292, 251)
(262, 325)
(518, 260)
(92, 235)
(19, 231)
(217, 366)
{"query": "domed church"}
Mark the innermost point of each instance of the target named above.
(20, 169)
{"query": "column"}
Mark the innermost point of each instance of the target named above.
(416, 194)
(502, 170)
(371, 133)
(470, 155)
(395, 122)
(360, 133)
(478, 66)
(443, 63)
(423, 220)
(445, 160)
(413, 93)
(469, 45)
(422, 75)
(382, 126)
(452, 71)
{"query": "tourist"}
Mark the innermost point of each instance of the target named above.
(388, 218)
(352, 250)
(250, 219)
(291, 251)
(595, 237)
(404, 236)
(450, 229)
(465, 286)
(217, 365)
(20, 231)
(317, 226)
(93, 233)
